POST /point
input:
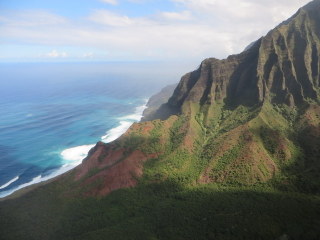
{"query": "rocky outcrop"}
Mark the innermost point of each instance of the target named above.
(282, 67)
(156, 101)
(109, 167)
(233, 154)
(228, 116)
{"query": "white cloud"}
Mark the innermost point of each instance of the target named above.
(88, 55)
(109, 18)
(243, 20)
(197, 29)
(56, 54)
(113, 2)
(32, 18)
(180, 16)
(243, 10)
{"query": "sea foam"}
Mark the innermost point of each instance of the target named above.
(125, 124)
(73, 157)
(9, 183)
(8, 192)
(38, 179)
(76, 154)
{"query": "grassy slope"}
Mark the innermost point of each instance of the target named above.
(261, 183)
(220, 173)
(164, 211)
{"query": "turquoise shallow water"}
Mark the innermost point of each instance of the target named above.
(52, 114)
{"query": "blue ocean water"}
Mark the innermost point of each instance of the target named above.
(52, 114)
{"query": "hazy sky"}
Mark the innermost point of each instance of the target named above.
(134, 30)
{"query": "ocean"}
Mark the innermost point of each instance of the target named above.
(52, 114)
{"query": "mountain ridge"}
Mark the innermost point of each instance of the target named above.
(233, 99)
(258, 72)
(233, 154)
(225, 99)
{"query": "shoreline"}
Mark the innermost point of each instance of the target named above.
(74, 156)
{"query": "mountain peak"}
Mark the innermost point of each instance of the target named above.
(236, 133)
(282, 67)
(312, 6)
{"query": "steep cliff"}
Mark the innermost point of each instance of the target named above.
(240, 120)
(233, 154)
(156, 101)
(282, 67)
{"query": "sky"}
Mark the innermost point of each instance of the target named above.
(134, 30)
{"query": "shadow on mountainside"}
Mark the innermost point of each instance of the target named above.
(162, 211)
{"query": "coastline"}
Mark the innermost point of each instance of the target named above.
(74, 156)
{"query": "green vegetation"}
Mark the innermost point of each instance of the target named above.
(170, 202)
(227, 158)
(177, 134)
(270, 138)
(289, 113)
(240, 160)
(163, 211)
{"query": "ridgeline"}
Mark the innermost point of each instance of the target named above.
(234, 153)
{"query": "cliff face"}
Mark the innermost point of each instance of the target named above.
(282, 67)
(234, 78)
(240, 120)
(251, 118)
(156, 101)
(233, 154)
